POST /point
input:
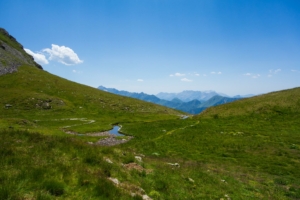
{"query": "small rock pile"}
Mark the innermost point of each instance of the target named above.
(112, 140)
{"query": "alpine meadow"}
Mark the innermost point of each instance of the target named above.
(55, 142)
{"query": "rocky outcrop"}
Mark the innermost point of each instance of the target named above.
(113, 140)
(12, 54)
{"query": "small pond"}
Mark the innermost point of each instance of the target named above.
(115, 131)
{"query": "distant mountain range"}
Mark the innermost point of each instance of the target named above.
(192, 102)
(188, 95)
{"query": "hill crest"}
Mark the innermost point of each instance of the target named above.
(12, 54)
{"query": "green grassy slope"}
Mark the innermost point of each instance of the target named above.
(248, 149)
(280, 102)
(37, 95)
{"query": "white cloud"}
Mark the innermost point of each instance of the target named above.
(197, 74)
(216, 72)
(186, 80)
(271, 71)
(76, 71)
(252, 75)
(293, 70)
(277, 70)
(38, 57)
(256, 76)
(62, 54)
(140, 80)
(177, 74)
(213, 72)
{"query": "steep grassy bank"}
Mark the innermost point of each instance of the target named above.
(35, 95)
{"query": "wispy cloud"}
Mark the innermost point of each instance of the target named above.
(177, 74)
(196, 74)
(256, 76)
(140, 80)
(252, 75)
(297, 71)
(76, 71)
(38, 57)
(216, 72)
(247, 74)
(186, 80)
(273, 72)
(62, 54)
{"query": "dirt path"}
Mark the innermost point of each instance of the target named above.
(172, 131)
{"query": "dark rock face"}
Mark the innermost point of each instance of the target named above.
(12, 54)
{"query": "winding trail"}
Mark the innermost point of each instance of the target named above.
(172, 131)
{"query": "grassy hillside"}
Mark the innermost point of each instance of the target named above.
(280, 102)
(64, 166)
(37, 95)
(248, 149)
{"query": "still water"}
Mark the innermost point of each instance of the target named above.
(115, 131)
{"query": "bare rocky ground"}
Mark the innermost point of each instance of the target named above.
(111, 140)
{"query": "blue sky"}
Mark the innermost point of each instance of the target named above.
(233, 46)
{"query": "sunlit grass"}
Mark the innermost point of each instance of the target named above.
(244, 150)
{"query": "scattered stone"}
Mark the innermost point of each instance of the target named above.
(46, 105)
(133, 194)
(112, 140)
(108, 160)
(174, 164)
(114, 180)
(146, 197)
(155, 153)
(138, 158)
(90, 143)
(191, 180)
(8, 106)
